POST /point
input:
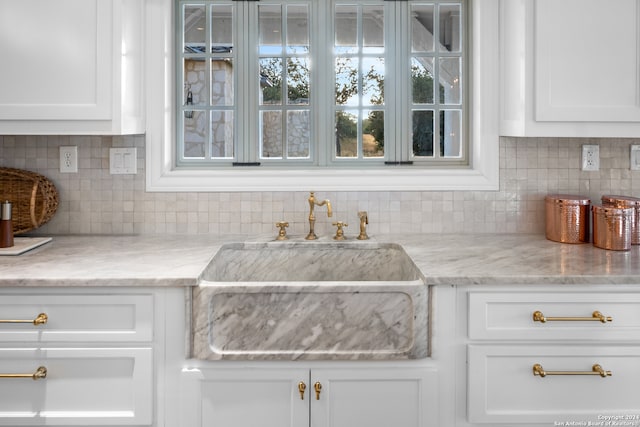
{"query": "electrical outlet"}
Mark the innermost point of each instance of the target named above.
(590, 157)
(69, 159)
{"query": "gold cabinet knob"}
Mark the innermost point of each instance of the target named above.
(318, 388)
(301, 388)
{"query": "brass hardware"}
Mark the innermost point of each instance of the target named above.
(41, 319)
(282, 234)
(40, 373)
(340, 232)
(364, 220)
(301, 388)
(312, 219)
(596, 315)
(318, 388)
(595, 370)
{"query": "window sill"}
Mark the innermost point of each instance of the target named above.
(484, 140)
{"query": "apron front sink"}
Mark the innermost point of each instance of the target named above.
(310, 300)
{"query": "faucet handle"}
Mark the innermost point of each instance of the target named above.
(340, 232)
(282, 233)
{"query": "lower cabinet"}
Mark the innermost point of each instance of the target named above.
(301, 397)
(546, 384)
(76, 386)
(543, 355)
(78, 357)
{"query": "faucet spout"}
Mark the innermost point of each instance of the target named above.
(312, 218)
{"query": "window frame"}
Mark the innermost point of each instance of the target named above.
(482, 106)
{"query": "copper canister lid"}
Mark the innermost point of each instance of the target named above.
(567, 199)
(621, 201)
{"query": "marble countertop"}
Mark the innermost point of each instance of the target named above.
(176, 260)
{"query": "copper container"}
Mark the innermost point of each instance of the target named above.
(612, 228)
(567, 218)
(627, 202)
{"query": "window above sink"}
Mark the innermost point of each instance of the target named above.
(472, 168)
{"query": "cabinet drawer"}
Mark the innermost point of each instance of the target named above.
(509, 315)
(503, 388)
(95, 386)
(77, 318)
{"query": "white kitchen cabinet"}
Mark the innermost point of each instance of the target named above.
(223, 396)
(570, 68)
(539, 355)
(83, 386)
(71, 67)
(97, 347)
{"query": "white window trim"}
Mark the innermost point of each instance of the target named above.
(161, 175)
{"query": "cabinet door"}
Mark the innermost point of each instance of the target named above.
(71, 67)
(77, 318)
(503, 315)
(504, 389)
(587, 60)
(56, 59)
(374, 397)
(82, 387)
(236, 397)
(570, 68)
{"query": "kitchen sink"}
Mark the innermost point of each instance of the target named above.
(310, 300)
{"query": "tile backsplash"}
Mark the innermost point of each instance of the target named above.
(94, 202)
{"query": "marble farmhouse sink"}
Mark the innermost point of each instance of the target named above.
(310, 300)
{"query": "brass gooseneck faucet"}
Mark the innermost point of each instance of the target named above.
(312, 219)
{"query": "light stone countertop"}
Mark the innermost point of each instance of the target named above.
(176, 260)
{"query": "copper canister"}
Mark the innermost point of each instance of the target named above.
(567, 218)
(627, 202)
(612, 228)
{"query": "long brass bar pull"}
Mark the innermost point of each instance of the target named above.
(39, 374)
(595, 370)
(595, 316)
(41, 319)
(301, 388)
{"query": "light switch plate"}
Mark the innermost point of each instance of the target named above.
(635, 157)
(122, 161)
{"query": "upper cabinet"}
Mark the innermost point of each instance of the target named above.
(71, 67)
(570, 68)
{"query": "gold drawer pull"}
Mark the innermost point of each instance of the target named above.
(595, 316)
(40, 373)
(41, 319)
(595, 370)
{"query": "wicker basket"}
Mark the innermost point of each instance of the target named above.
(34, 198)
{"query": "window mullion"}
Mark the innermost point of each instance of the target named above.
(323, 76)
(247, 36)
(396, 83)
(320, 44)
(240, 77)
(207, 69)
(436, 84)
